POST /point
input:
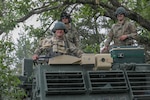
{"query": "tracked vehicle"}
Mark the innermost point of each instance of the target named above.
(120, 75)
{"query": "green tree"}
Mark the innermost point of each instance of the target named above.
(23, 50)
(9, 83)
(94, 10)
(18, 11)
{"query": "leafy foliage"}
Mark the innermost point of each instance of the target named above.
(9, 83)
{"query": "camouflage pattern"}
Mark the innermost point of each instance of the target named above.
(72, 35)
(53, 47)
(117, 30)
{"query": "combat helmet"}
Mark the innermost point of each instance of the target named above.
(120, 10)
(59, 25)
(65, 15)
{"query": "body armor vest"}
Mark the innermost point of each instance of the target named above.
(58, 47)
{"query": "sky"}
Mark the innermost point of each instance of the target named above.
(30, 21)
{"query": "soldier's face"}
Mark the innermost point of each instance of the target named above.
(59, 33)
(65, 20)
(120, 17)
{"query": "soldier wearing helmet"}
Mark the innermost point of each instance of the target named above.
(57, 45)
(122, 33)
(72, 33)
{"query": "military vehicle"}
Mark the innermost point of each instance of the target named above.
(120, 75)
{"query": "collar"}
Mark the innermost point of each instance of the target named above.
(59, 38)
(122, 22)
(68, 26)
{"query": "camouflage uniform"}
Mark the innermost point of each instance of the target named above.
(55, 47)
(117, 30)
(72, 35)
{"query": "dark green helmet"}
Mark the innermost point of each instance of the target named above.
(59, 25)
(120, 10)
(65, 15)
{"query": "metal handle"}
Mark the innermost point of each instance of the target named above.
(120, 55)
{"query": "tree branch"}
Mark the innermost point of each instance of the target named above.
(37, 11)
(110, 9)
(139, 19)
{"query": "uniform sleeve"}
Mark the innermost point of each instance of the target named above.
(75, 35)
(74, 50)
(133, 31)
(109, 38)
(38, 51)
(76, 38)
(41, 41)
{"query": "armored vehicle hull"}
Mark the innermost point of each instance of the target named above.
(81, 81)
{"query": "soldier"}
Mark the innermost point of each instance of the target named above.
(122, 33)
(57, 45)
(72, 33)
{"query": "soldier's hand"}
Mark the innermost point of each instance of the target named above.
(123, 37)
(35, 57)
(104, 50)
